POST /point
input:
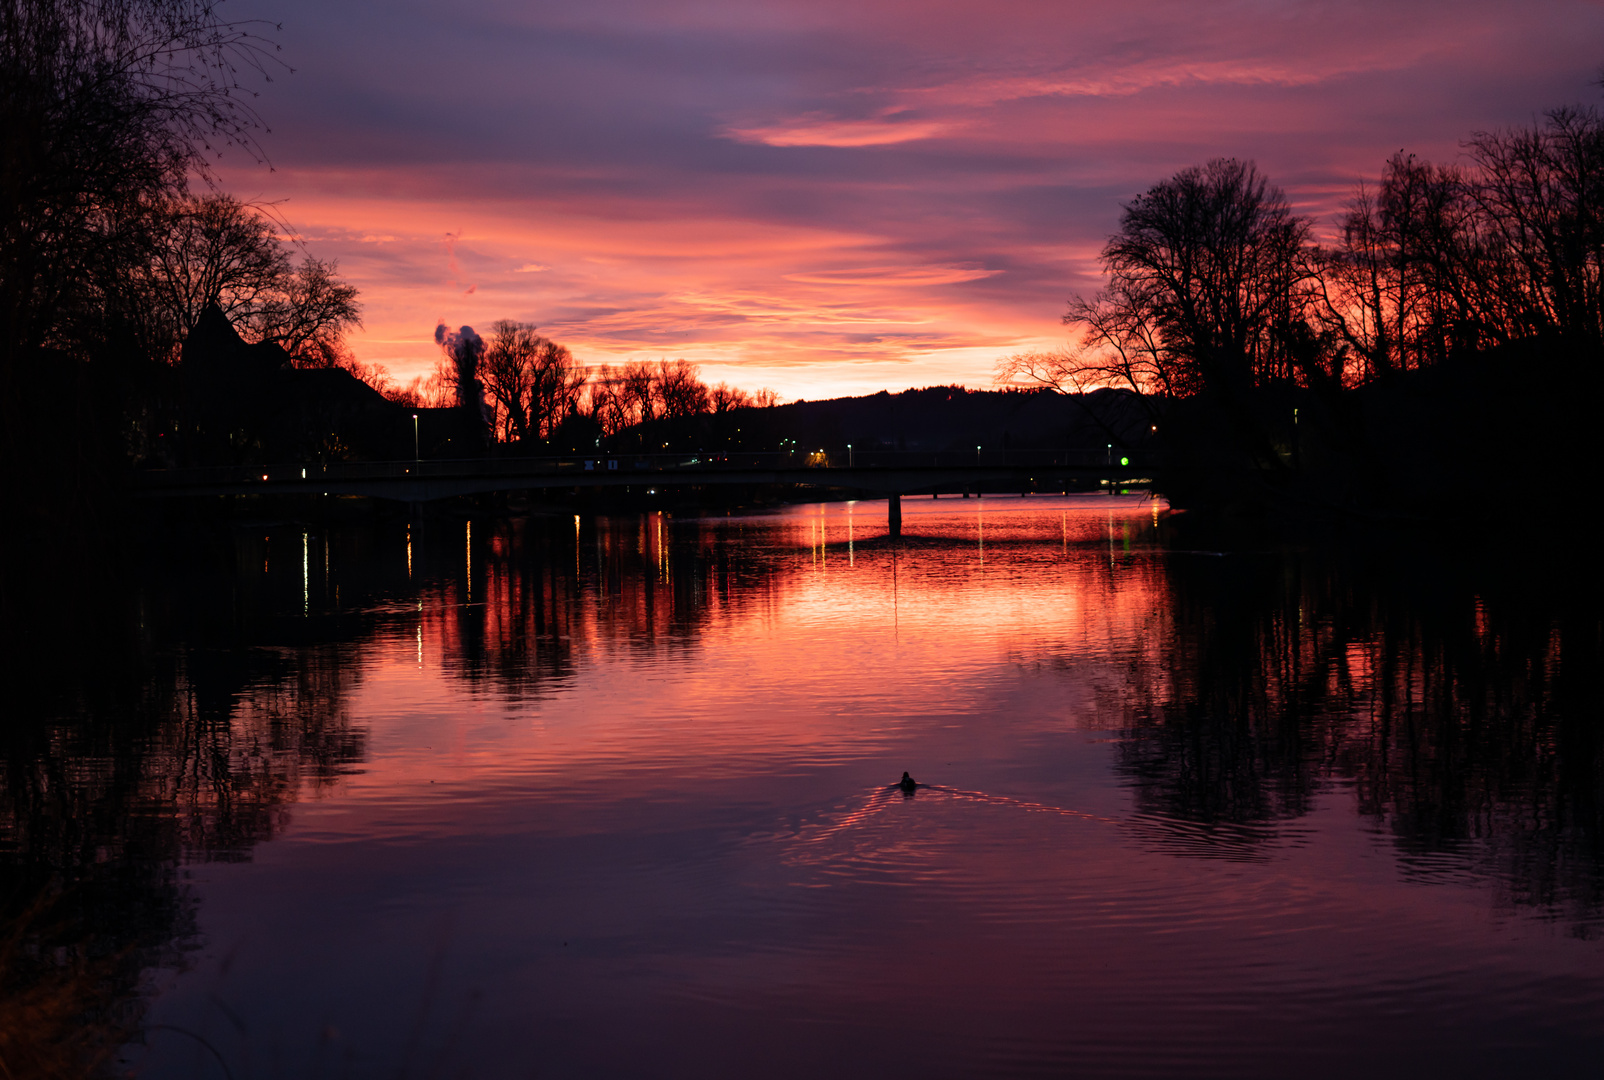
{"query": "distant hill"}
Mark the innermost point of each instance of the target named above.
(933, 419)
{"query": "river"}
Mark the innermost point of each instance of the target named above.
(580, 796)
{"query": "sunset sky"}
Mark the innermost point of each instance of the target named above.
(833, 197)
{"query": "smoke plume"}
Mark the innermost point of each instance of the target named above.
(465, 348)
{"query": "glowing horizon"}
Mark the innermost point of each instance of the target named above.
(833, 198)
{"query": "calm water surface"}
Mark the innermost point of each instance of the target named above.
(609, 797)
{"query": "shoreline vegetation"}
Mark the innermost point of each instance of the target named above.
(1445, 343)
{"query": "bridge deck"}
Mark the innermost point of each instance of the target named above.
(425, 481)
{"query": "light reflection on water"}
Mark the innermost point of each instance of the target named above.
(610, 798)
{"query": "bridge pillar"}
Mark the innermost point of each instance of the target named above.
(894, 514)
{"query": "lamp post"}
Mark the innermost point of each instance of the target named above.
(415, 456)
(849, 455)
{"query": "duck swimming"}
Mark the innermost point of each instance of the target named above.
(907, 783)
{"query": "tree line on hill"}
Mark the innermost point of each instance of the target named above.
(1457, 314)
(530, 389)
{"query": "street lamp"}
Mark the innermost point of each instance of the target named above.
(849, 455)
(415, 456)
(977, 456)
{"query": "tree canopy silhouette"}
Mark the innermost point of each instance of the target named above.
(1200, 276)
(1450, 299)
(107, 107)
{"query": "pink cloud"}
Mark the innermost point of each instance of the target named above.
(894, 275)
(818, 196)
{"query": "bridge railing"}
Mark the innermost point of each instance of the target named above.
(653, 464)
(1075, 457)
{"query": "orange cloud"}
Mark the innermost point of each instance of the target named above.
(819, 129)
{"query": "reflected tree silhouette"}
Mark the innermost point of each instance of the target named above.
(125, 757)
(1459, 702)
(541, 593)
(1454, 702)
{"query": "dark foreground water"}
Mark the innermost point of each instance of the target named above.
(562, 797)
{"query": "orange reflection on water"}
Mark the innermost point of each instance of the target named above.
(722, 644)
(1235, 801)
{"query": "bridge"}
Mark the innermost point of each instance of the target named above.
(891, 474)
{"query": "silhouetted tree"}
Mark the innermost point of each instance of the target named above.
(106, 108)
(635, 387)
(1241, 338)
(217, 250)
(308, 312)
(724, 398)
(1202, 275)
(678, 389)
(534, 382)
(672, 391)
(214, 250)
(556, 389)
(1538, 193)
(1405, 287)
(606, 403)
(509, 375)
